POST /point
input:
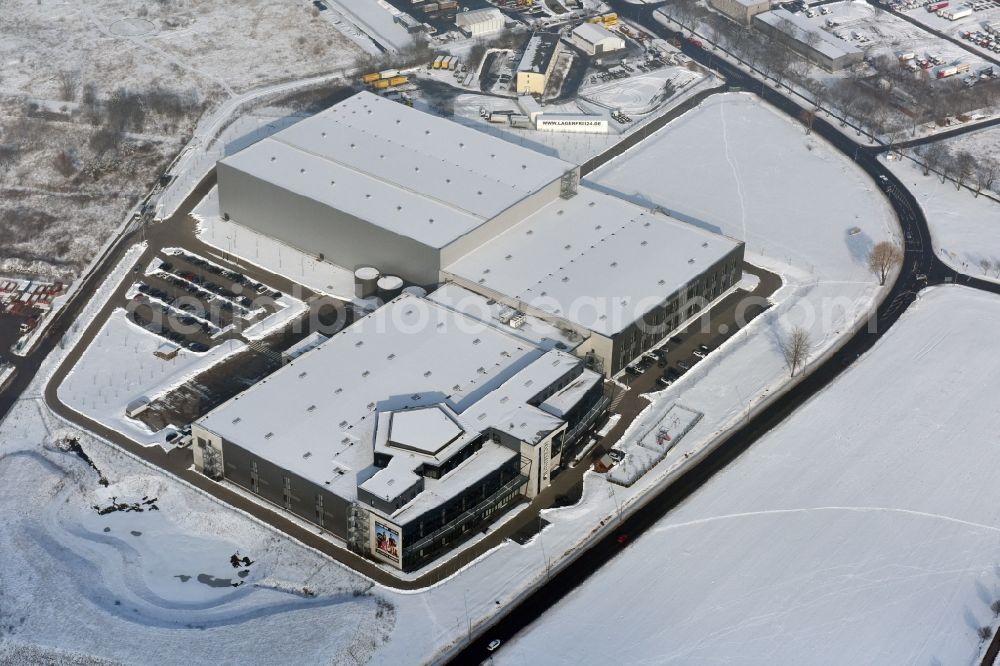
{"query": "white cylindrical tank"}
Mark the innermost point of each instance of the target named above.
(415, 290)
(389, 287)
(365, 282)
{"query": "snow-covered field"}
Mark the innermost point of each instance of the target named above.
(864, 530)
(67, 180)
(965, 229)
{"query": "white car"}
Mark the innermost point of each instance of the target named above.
(494, 644)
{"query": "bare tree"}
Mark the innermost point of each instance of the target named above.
(69, 84)
(987, 171)
(986, 265)
(984, 633)
(884, 256)
(795, 349)
(965, 166)
(65, 163)
(995, 607)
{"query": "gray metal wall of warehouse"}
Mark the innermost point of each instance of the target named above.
(318, 229)
(271, 479)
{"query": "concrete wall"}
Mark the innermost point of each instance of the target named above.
(315, 228)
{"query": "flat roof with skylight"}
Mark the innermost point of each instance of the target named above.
(412, 173)
(595, 260)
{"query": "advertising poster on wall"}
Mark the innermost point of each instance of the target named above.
(387, 542)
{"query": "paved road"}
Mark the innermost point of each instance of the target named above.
(919, 259)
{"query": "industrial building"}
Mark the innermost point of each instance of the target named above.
(808, 39)
(480, 22)
(596, 40)
(407, 431)
(741, 11)
(537, 63)
(370, 182)
(620, 276)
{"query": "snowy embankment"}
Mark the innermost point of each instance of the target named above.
(965, 229)
(119, 367)
(154, 586)
(864, 529)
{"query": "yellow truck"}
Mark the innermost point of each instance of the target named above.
(381, 84)
(610, 19)
(397, 80)
(369, 78)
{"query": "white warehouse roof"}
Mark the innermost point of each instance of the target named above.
(481, 21)
(798, 27)
(595, 34)
(315, 416)
(407, 171)
(594, 260)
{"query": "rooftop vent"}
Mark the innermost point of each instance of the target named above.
(269, 435)
(302, 374)
(307, 454)
(237, 420)
(391, 356)
(366, 373)
(427, 374)
(311, 408)
(338, 391)
(343, 424)
(690, 261)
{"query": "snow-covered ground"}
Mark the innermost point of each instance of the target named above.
(119, 367)
(973, 23)
(965, 229)
(863, 530)
(637, 93)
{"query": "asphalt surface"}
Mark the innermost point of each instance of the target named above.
(919, 261)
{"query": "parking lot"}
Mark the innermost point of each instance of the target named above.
(687, 347)
(196, 303)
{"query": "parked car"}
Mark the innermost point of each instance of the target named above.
(494, 644)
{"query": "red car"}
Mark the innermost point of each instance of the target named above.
(694, 42)
(622, 539)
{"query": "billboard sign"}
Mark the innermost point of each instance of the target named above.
(387, 542)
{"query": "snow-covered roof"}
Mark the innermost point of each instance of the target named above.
(560, 403)
(308, 343)
(594, 34)
(594, 260)
(487, 18)
(507, 408)
(315, 416)
(490, 312)
(798, 27)
(438, 491)
(539, 51)
(410, 172)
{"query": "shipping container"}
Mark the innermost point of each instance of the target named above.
(368, 78)
(381, 84)
(437, 61)
(955, 13)
(397, 80)
(935, 6)
(388, 73)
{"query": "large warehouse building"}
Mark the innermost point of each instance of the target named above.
(595, 39)
(370, 182)
(622, 276)
(480, 22)
(407, 431)
(421, 422)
